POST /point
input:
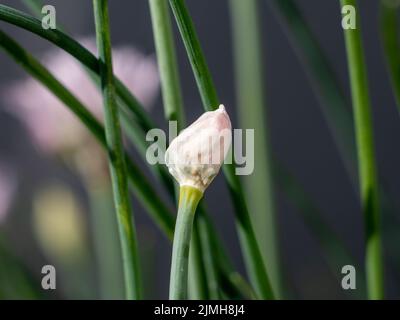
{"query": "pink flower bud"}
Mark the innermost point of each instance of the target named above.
(195, 156)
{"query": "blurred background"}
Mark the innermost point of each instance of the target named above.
(39, 188)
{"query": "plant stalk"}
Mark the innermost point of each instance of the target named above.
(189, 198)
(167, 62)
(369, 190)
(116, 154)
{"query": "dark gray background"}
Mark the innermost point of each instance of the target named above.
(299, 132)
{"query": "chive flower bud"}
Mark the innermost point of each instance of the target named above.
(195, 156)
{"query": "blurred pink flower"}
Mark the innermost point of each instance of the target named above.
(51, 124)
(8, 184)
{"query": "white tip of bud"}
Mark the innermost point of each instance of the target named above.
(195, 156)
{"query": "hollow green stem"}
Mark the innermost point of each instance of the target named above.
(391, 46)
(116, 154)
(366, 157)
(251, 251)
(202, 74)
(167, 62)
(189, 198)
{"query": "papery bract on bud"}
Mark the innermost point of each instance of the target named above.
(195, 156)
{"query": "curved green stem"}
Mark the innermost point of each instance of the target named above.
(116, 154)
(189, 198)
(366, 157)
(251, 251)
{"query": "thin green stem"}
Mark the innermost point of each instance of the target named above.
(189, 198)
(203, 78)
(167, 62)
(366, 157)
(251, 251)
(391, 46)
(250, 88)
(116, 154)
